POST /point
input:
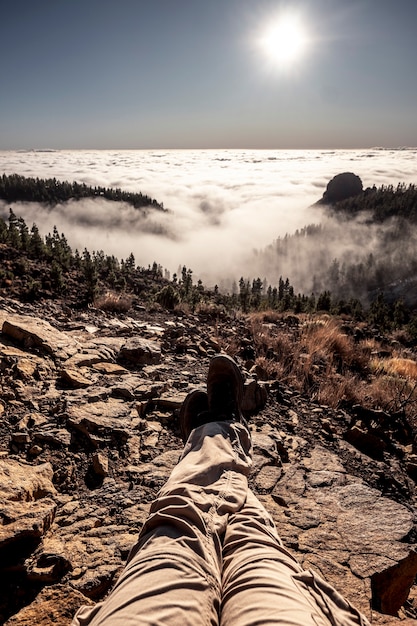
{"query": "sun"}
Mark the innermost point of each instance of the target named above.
(285, 40)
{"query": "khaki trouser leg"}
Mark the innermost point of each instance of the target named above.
(173, 574)
(209, 553)
(263, 583)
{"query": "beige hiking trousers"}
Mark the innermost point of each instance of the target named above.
(209, 553)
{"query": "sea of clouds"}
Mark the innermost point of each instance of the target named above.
(222, 204)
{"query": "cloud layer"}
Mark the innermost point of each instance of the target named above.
(223, 204)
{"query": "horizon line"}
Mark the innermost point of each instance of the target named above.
(404, 148)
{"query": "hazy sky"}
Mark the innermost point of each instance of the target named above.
(197, 74)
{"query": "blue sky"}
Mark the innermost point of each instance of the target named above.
(130, 74)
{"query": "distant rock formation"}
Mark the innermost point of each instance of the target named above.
(341, 187)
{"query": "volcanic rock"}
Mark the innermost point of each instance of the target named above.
(342, 187)
(84, 453)
(140, 351)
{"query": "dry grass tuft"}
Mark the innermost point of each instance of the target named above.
(315, 356)
(114, 302)
(272, 317)
(394, 395)
(209, 310)
(183, 308)
(327, 342)
(271, 369)
(397, 367)
(337, 388)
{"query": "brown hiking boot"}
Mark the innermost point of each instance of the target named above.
(193, 412)
(225, 389)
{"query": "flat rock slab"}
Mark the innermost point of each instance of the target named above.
(133, 386)
(268, 477)
(74, 378)
(90, 541)
(327, 512)
(26, 366)
(101, 418)
(159, 469)
(52, 435)
(110, 369)
(86, 358)
(266, 446)
(170, 401)
(107, 348)
(36, 333)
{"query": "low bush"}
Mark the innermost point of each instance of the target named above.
(397, 367)
(114, 302)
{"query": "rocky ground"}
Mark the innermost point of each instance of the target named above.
(88, 433)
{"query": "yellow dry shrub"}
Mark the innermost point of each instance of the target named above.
(393, 394)
(316, 357)
(114, 302)
(370, 345)
(273, 342)
(266, 317)
(273, 369)
(183, 308)
(335, 388)
(210, 310)
(327, 342)
(397, 366)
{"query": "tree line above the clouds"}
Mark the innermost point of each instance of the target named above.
(382, 203)
(33, 267)
(36, 268)
(364, 247)
(323, 277)
(16, 188)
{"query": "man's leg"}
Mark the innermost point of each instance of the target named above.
(173, 574)
(264, 584)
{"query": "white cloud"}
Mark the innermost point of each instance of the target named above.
(222, 204)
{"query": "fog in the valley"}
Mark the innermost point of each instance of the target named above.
(223, 207)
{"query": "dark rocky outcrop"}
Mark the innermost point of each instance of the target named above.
(341, 187)
(89, 433)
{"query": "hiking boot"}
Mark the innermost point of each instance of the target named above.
(225, 389)
(193, 412)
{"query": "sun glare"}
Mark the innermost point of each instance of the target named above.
(285, 40)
